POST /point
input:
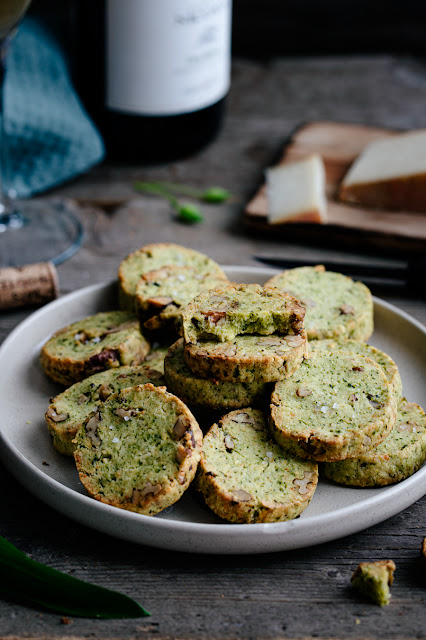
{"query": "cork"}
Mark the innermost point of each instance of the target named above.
(30, 285)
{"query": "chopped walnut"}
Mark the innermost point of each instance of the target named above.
(92, 427)
(215, 317)
(181, 478)
(124, 413)
(244, 418)
(294, 340)
(242, 496)
(181, 426)
(302, 484)
(227, 352)
(302, 392)
(82, 398)
(150, 489)
(346, 309)
(104, 391)
(229, 443)
(376, 404)
(56, 417)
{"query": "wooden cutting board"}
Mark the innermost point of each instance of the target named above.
(338, 145)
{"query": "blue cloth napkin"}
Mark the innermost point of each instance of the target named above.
(51, 138)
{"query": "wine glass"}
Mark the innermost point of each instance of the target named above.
(35, 230)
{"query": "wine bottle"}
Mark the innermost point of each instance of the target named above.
(166, 75)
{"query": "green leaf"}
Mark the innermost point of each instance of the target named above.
(29, 581)
(189, 213)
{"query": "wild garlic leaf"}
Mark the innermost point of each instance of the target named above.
(25, 580)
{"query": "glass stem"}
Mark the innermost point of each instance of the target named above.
(9, 217)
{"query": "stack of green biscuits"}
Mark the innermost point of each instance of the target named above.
(237, 341)
(344, 407)
(156, 282)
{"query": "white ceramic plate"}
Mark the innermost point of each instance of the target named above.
(26, 449)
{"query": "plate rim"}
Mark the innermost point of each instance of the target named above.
(411, 485)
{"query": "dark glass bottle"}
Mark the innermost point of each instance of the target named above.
(154, 75)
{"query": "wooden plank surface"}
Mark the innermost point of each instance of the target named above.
(300, 594)
(339, 145)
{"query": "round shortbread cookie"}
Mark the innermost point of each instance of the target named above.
(140, 451)
(104, 341)
(248, 358)
(401, 454)
(68, 410)
(225, 312)
(214, 394)
(245, 477)
(337, 405)
(155, 256)
(161, 294)
(354, 346)
(336, 306)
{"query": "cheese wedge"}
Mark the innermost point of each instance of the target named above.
(296, 191)
(389, 174)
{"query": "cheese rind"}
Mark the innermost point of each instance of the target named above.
(390, 173)
(296, 191)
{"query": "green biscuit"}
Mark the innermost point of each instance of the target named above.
(103, 341)
(336, 306)
(401, 454)
(155, 256)
(354, 346)
(373, 579)
(161, 295)
(225, 312)
(246, 477)
(337, 405)
(68, 410)
(140, 451)
(214, 394)
(248, 358)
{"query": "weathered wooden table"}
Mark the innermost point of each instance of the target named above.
(294, 594)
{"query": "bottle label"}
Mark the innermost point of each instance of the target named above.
(167, 57)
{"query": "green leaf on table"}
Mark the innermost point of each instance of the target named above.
(26, 580)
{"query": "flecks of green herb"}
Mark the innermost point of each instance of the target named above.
(214, 195)
(25, 580)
